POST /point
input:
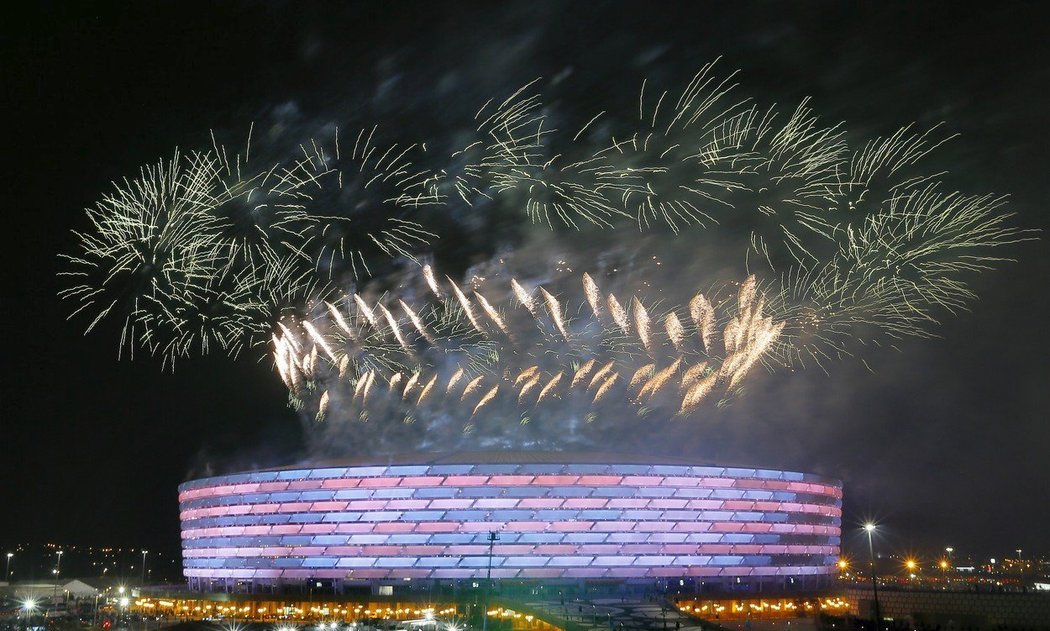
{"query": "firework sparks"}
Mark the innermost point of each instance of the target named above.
(582, 372)
(316, 337)
(416, 321)
(604, 388)
(527, 387)
(467, 310)
(703, 315)
(549, 388)
(641, 324)
(601, 374)
(409, 385)
(428, 274)
(618, 313)
(426, 391)
(554, 307)
(364, 310)
(659, 380)
(675, 331)
(594, 298)
(212, 251)
(492, 313)
(640, 376)
(453, 380)
(523, 296)
(394, 328)
(472, 385)
(489, 396)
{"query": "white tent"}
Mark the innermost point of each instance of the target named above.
(79, 589)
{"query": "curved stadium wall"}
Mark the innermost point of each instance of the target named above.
(558, 515)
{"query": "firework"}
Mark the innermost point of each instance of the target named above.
(582, 372)
(554, 307)
(604, 388)
(216, 250)
(590, 288)
(675, 331)
(428, 275)
(549, 388)
(488, 397)
(523, 296)
(618, 313)
(471, 386)
(641, 324)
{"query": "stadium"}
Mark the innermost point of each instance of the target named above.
(553, 516)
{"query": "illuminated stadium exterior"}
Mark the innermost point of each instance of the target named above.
(558, 516)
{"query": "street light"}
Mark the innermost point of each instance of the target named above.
(28, 605)
(869, 528)
(493, 538)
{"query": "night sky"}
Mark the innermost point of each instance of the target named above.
(945, 440)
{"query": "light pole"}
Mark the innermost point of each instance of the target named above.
(7, 574)
(58, 571)
(143, 583)
(493, 538)
(869, 528)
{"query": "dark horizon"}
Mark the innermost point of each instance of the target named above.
(943, 441)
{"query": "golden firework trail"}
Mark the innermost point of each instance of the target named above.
(641, 375)
(365, 310)
(747, 293)
(471, 387)
(370, 379)
(549, 388)
(703, 315)
(492, 313)
(618, 313)
(594, 297)
(491, 394)
(280, 359)
(426, 391)
(527, 387)
(641, 324)
(289, 338)
(394, 381)
(322, 405)
(344, 364)
(697, 393)
(555, 310)
(360, 385)
(409, 385)
(340, 321)
(453, 380)
(659, 380)
(416, 322)
(428, 274)
(675, 331)
(582, 372)
(461, 297)
(601, 374)
(605, 388)
(693, 374)
(525, 374)
(316, 337)
(523, 296)
(394, 328)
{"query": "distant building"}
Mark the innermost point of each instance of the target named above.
(558, 517)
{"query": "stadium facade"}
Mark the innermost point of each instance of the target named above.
(557, 516)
